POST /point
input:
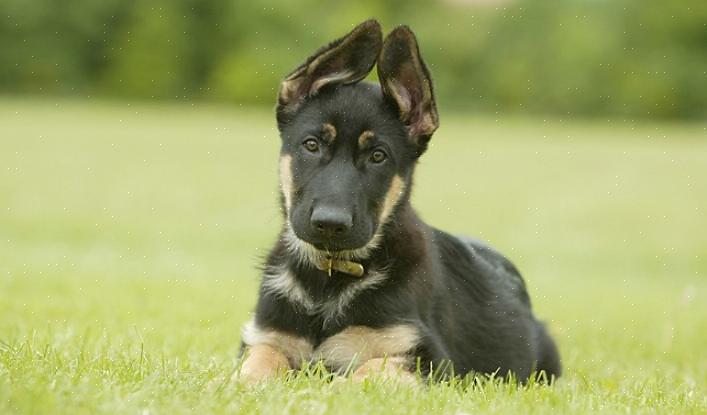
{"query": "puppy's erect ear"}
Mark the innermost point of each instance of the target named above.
(344, 61)
(406, 80)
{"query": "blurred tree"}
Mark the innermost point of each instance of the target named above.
(151, 57)
(638, 58)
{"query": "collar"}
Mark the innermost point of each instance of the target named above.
(347, 267)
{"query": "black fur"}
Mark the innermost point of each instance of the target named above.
(468, 302)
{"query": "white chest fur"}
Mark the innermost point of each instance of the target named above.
(281, 283)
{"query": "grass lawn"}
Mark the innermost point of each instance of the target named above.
(130, 236)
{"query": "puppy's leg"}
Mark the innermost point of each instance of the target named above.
(388, 368)
(262, 362)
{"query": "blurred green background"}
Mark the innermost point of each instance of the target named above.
(632, 58)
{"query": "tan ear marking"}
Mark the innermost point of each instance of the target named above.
(328, 132)
(365, 137)
(346, 60)
(405, 78)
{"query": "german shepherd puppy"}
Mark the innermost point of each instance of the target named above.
(357, 279)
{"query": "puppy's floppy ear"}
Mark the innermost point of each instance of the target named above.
(344, 61)
(405, 79)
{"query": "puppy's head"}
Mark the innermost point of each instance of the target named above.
(349, 148)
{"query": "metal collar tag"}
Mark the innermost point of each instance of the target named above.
(347, 267)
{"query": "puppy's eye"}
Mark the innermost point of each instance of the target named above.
(378, 156)
(311, 145)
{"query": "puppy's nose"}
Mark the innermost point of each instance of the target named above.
(331, 222)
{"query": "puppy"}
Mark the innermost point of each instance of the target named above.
(356, 278)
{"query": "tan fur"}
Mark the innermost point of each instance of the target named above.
(286, 180)
(401, 96)
(363, 349)
(387, 368)
(288, 92)
(291, 88)
(359, 344)
(328, 133)
(294, 348)
(262, 362)
(364, 137)
(395, 192)
(410, 72)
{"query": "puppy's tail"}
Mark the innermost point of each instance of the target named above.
(547, 355)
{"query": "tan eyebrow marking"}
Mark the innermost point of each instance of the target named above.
(329, 132)
(364, 137)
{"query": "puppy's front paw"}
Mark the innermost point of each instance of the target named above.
(387, 368)
(262, 362)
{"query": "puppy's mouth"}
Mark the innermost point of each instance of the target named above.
(317, 250)
(333, 249)
(344, 251)
(324, 252)
(332, 246)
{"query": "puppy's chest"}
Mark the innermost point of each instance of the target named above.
(326, 304)
(333, 324)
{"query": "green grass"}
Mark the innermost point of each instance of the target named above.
(130, 235)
